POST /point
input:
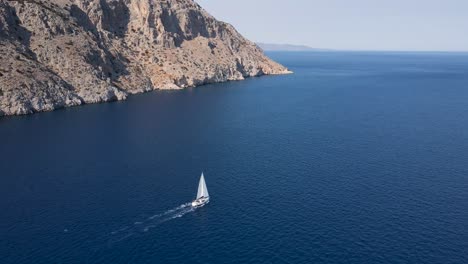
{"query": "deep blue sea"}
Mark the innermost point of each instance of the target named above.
(357, 157)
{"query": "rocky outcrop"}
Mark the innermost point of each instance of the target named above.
(60, 53)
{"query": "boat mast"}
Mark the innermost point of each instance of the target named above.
(202, 190)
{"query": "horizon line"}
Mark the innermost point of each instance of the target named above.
(367, 50)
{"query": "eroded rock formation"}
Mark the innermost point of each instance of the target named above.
(59, 53)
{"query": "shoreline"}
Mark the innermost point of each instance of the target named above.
(115, 98)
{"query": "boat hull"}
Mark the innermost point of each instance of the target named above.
(200, 202)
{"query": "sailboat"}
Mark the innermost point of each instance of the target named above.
(202, 195)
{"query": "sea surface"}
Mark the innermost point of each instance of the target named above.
(357, 157)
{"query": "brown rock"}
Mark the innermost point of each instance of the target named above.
(63, 53)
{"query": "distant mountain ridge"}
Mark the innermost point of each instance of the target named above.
(286, 47)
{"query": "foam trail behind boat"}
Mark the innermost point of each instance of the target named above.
(142, 226)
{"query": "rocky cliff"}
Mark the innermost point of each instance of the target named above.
(59, 53)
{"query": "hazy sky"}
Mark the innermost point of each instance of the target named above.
(350, 24)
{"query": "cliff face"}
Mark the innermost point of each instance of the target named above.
(60, 53)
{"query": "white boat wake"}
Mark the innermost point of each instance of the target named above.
(143, 226)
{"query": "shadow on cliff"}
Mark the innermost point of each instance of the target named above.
(116, 17)
(13, 31)
(113, 65)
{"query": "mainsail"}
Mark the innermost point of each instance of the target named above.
(202, 190)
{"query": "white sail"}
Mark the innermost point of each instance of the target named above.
(202, 190)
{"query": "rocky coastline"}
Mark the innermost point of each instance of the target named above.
(62, 53)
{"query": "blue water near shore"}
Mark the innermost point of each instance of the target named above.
(358, 157)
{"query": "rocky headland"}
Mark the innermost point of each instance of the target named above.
(60, 53)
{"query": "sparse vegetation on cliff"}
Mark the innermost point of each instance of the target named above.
(70, 52)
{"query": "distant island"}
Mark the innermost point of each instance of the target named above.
(62, 53)
(286, 47)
